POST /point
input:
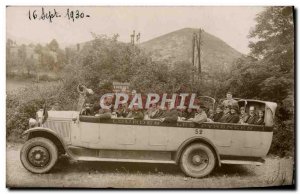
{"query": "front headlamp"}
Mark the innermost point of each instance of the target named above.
(32, 122)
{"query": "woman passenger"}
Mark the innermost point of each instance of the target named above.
(218, 115)
(234, 117)
(260, 120)
(243, 116)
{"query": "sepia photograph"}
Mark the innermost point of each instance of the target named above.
(150, 97)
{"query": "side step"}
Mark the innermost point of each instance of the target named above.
(87, 154)
(257, 163)
(85, 158)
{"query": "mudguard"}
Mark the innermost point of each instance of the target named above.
(46, 131)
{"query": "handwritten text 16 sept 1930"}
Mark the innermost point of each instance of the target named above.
(50, 15)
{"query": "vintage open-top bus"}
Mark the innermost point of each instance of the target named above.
(197, 148)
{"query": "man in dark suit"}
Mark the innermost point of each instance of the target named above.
(252, 116)
(226, 115)
(170, 115)
(218, 115)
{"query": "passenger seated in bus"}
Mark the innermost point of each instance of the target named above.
(96, 107)
(151, 112)
(252, 116)
(160, 112)
(104, 112)
(211, 114)
(122, 111)
(182, 113)
(234, 117)
(229, 100)
(135, 113)
(189, 114)
(260, 120)
(170, 116)
(87, 110)
(55, 106)
(226, 115)
(200, 116)
(243, 116)
(218, 115)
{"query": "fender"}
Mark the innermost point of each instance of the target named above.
(41, 129)
(196, 139)
(45, 130)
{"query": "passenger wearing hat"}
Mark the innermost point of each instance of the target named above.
(160, 113)
(260, 120)
(150, 113)
(252, 116)
(218, 115)
(200, 116)
(170, 115)
(55, 106)
(123, 110)
(226, 115)
(229, 101)
(135, 113)
(243, 116)
(234, 117)
(105, 113)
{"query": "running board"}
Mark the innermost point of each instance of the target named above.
(84, 158)
(257, 163)
(141, 156)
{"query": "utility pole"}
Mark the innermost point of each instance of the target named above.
(138, 37)
(199, 52)
(132, 36)
(193, 49)
(196, 53)
(135, 38)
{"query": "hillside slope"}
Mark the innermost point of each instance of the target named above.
(177, 46)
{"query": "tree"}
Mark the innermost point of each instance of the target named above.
(275, 49)
(9, 59)
(53, 45)
(268, 72)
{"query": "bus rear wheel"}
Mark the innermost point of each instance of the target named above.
(197, 160)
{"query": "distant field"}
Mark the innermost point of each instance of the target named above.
(16, 84)
(12, 84)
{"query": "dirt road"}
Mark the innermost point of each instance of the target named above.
(68, 173)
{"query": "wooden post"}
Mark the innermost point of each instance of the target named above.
(199, 52)
(193, 50)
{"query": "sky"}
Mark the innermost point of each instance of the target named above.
(231, 24)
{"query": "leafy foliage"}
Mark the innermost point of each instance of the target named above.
(34, 59)
(23, 104)
(268, 73)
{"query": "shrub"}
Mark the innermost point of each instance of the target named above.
(283, 142)
(23, 104)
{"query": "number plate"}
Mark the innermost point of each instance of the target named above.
(198, 131)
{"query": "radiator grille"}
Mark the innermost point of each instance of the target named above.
(60, 127)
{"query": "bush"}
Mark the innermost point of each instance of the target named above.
(283, 142)
(23, 104)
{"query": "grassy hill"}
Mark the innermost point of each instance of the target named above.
(177, 46)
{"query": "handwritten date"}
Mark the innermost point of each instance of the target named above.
(51, 15)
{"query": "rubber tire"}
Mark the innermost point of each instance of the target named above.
(39, 141)
(211, 158)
